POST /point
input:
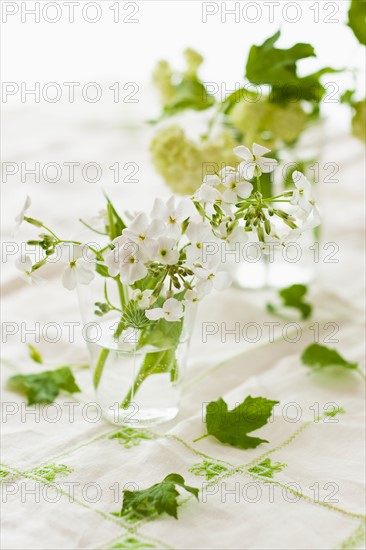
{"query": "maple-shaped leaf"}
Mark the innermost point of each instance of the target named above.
(293, 296)
(318, 357)
(45, 386)
(232, 427)
(357, 19)
(278, 67)
(157, 499)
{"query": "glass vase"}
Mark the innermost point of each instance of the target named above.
(137, 366)
(294, 266)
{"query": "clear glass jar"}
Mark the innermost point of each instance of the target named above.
(138, 367)
(292, 267)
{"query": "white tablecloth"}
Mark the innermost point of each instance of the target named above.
(63, 480)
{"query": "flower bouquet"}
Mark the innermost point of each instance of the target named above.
(139, 285)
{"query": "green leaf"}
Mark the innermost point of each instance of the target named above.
(116, 224)
(318, 357)
(34, 354)
(232, 427)
(293, 296)
(278, 68)
(357, 20)
(102, 270)
(189, 94)
(44, 387)
(157, 499)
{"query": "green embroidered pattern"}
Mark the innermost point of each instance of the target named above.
(128, 437)
(266, 468)
(51, 471)
(208, 469)
(356, 539)
(338, 410)
(3, 473)
(132, 542)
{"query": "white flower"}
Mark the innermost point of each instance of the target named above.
(212, 180)
(172, 215)
(24, 264)
(165, 253)
(210, 278)
(208, 194)
(143, 298)
(80, 265)
(270, 245)
(200, 235)
(236, 187)
(192, 296)
(237, 235)
(172, 310)
(311, 221)
(144, 233)
(254, 163)
(302, 195)
(20, 217)
(126, 260)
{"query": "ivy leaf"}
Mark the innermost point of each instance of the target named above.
(267, 64)
(293, 296)
(44, 387)
(318, 357)
(357, 20)
(35, 354)
(157, 499)
(233, 426)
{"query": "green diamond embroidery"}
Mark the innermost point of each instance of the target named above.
(51, 471)
(208, 469)
(132, 542)
(129, 437)
(266, 468)
(3, 473)
(335, 411)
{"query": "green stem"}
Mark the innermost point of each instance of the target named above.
(361, 373)
(199, 438)
(123, 298)
(259, 189)
(103, 356)
(163, 361)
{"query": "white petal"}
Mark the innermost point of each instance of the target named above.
(156, 228)
(84, 272)
(154, 314)
(172, 257)
(222, 280)
(173, 307)
(159, 210)
(137, 271)
(139, 224)
(267, 165)
(192, 253)
(23, 263)
(244, 189)
(243, 152)
(247, 169)
(230, 196)
(259, 150)
(213, 180)
(69, 278)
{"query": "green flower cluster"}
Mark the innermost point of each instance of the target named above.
(162, 79)
(267, 123)
(359, 120)
(183, 163)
